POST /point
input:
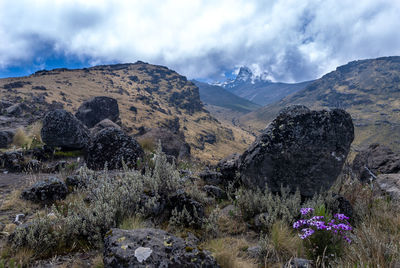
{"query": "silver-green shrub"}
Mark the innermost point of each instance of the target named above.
(283, 206)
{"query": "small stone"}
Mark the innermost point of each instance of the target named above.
(254, 252)
(298, 263)
(19, 218)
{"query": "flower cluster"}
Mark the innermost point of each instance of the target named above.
(338, 225)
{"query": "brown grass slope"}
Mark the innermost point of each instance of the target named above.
(368, 89)
(148, 95)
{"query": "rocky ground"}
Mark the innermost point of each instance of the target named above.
(93, 196)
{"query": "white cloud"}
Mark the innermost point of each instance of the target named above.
(291, 40)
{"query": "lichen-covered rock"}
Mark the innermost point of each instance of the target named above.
(112, 146)
(298, 263)
(13, 161)
(97, 109)
(214, 191)
(49, 190)
(374, 160)
(62, 129)
(301, 149)
(152, 248)
(228, 167)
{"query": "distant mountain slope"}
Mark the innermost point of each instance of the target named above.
(218, 96)
(259, 89)
(368, 89)
(148, 96)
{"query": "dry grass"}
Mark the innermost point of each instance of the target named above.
(34, 131)
(230, 252)
(21, 139)
(14, 202)
(148, 144)
(280, 244)
(131, 223)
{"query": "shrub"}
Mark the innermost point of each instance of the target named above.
(278, 207)
(106, 201)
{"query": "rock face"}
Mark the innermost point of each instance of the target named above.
(49, 190)
(152, 248)
(111, 146)
(97, 109)
(300, 149)
(228, 167)
(6, 138)
(376, 159)
(62, 129)
(390, 184)
(171, 143)
(102, 125)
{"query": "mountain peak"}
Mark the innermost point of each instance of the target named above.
(244, 75)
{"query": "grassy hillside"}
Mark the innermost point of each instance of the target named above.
(368, 89)
(218, 96)
(148, 95)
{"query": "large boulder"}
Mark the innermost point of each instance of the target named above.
(13, 161)
(152, 248)
(374, 160)
(228, 167)
(301, 149)
(46, 191)
(112, 146)
(6, 138)
(62, 129)
(97, 109)
(172, 144)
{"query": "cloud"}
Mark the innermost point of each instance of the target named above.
(291, 40)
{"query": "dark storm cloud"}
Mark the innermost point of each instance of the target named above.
(291, 40)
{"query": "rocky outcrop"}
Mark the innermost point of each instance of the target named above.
(112, 146)
(46, 191)
(6, 138)
(102, 125)
(152, 248)
(301, 149)
(62, 129)
(228, 167)
(389, 184)
(97, 109)
(172, 144)
(374, 160)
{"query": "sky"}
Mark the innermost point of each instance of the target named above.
(290, 40)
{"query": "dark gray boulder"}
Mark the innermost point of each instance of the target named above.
(97, 109)
(111, 146)
(211, 177)
(172, 143)
(62, 129)
(214, 191)
(374, 160)
(13, 161)
(106, 123)
(46, 191)
(6, 138)
(16, 109)
(152, 248)
(300, 149)
(228, 167)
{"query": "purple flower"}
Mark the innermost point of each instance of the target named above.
(341, 217)
(305, 211)
(306, 233)
(299, 223)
